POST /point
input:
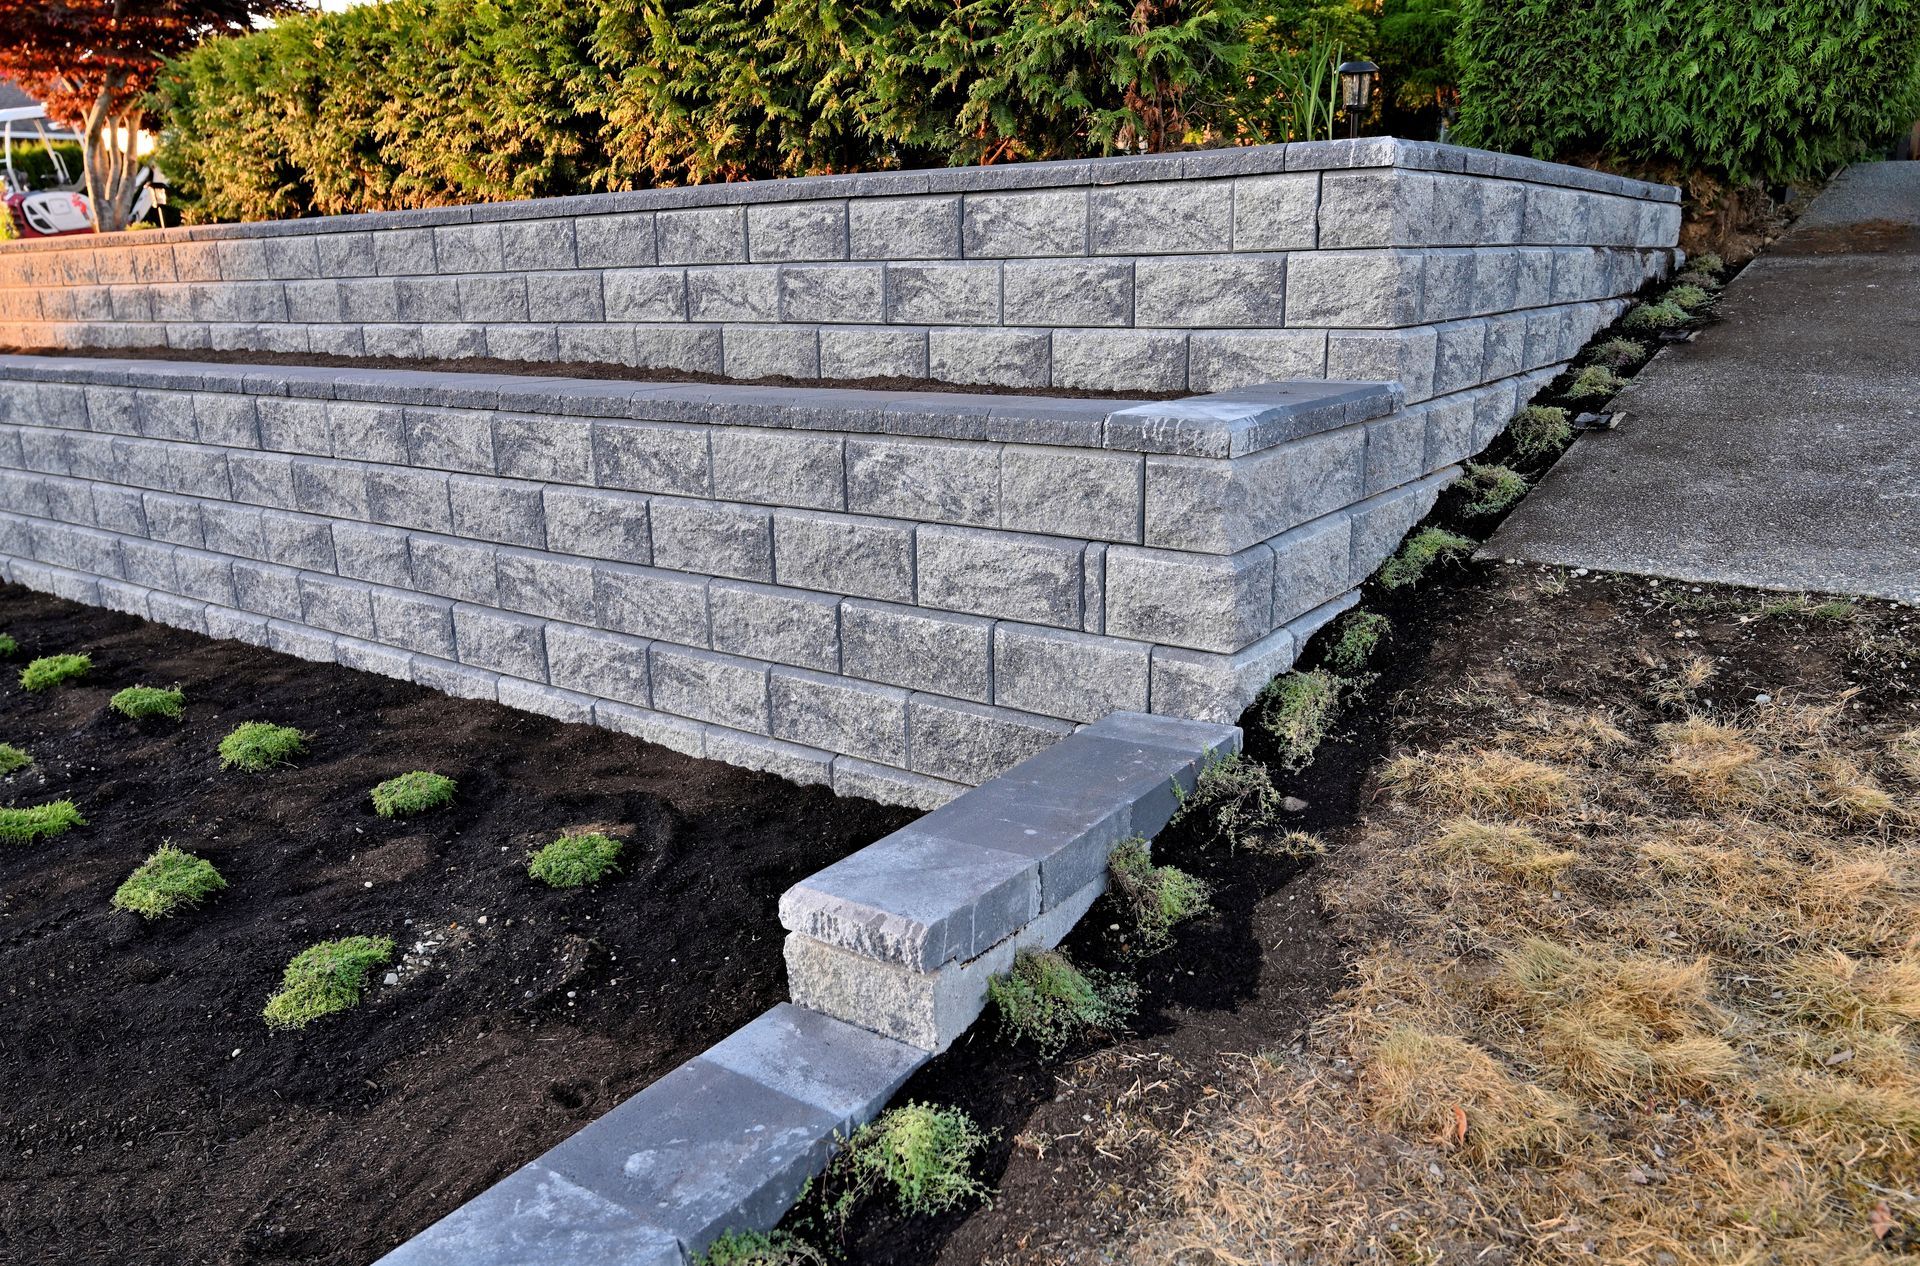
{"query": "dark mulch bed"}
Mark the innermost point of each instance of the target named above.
(571, 369)
(149, 1116)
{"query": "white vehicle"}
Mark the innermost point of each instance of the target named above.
(62, 209)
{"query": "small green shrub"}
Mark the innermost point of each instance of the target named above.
(1709, 263)
(13, 759)
(1656, 316)
(1360, 634)
(1688, 296)
(1595, 382)
(258, 746)
(1422, 550)
(1298, 711)
(414, 792)
(1539, 430)
(757, 1248)
(53, 670)
(1048, 1001)
(166, 881)
(574, 860)
(1487, 490)
(1233, 799)
(1156, 898)
(1696, 277)
(141, 702)
(8, 647)
(1618, 353)
(924, 1154)
(325, 978)
(39, 821)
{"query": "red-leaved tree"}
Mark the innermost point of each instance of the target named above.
(92, 61)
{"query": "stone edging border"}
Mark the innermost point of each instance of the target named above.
(889, 956)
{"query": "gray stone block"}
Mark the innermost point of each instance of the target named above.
(873, 352)
(458, 680)
(371, 657)
(1071, 492)
(733, 294)
(1068, 674)
(865, 780)
(704, 686)
(554, 449)
(1396, 449)
(1120, 360)
(236, 626)
(970, 743)
(467, 248)
(785, 468)
(1220, 360)
(1354, 289)
(408, 498)
(1043, 222)
(169, 415)
(836, 293)
(523, 342)
(296, 541)
(450, 439)
(207, 577)
(943, 294)
(334, 489)
(650, 603)
(614, 241)
(374, 554)
(564, 296)
(920, 650)
(795, 762)
(403, 251)
(497, 510)
(1195, 601)
(905, 228)
(1019, 577)
(365, 432)
(595, 344)
(534, 1214)
(541, 584)
(676, 734)
(294, 426)
(652, 457)
(996, 358)
(162, 608)
(604, 665)
(267, 590)
(1161, 218)
(706, 235)
(1311, 566)
(339, 606)
(712, 538)
(532, 244)
(842, 554)
(1276, 212)
(421, 299)
(1407, 357)
(1379, 523)
(301, 643)
(1069, 292)
(784, 626)
(510, 644)
(765, 351)
(547, 701)
(592, 524)
(797, 231)
(645, 294)
(414, 621)
(454, 569)
(927, 480)
(841, 715)
(1228, 290)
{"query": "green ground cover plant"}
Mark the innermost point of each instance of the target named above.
(1356, 639)
(1689, 296)
(575, 860)
(8, 646)
(54, 670)
(1298, 710)
(1049, 1001)
(1618, 353)
(1156, 898)
(924, 1155)
(1538, 431)
(1234, 800)
(13, 759)
(325, 978)
(1489, 490)
(1595, 382)
(257, 746)
(759, 1248)
(142, 702)
(414, 792)
(1656, 316)
(25, 824)
(167, 881)
(1420, 552)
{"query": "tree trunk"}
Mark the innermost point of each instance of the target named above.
(112, 131)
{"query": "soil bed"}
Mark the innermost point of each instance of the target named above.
(572, 369)
(149, 1115)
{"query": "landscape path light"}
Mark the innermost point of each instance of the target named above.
(1356, 90)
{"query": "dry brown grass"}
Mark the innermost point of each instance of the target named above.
(1652, 996)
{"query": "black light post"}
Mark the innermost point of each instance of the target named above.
(1356, 90)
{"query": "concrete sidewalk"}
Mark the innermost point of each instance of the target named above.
(1779, 449)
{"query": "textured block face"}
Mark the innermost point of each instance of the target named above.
(708, 235)
(1017, 577)
(495, 510)
(750, 351)
(1226, 359)
(997, 358)
(968, 743)
(540, 584)
(1071, 492)
(1120, 360)
(1002, 225)
(454, 569)
(645, 294)
(1276, 213)
(943, 294)
(1152, 219)
(923, 479)
(1229, 290)
(840, 715)
(783, 626)
(905, 228)
(836, 553)
(510, 644)
(711, 537)
(649, 603)
(414, 621)
(650, 457)
(873, 353)
(797, 231)
(614, 241)
(840, 293)
(605, 665)
(1073, 676)
(784, 468)
(704, 686)
(933, 651)
(594, 524)
(1205, 603)
(1354, 289)
(1068, 292)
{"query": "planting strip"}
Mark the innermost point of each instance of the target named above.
(889, 955)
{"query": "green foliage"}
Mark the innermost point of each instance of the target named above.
(166, 881)
(757, 1248)
(923, 1154)
(13, 759)
(1688, 297)
(53, 670)
(1156, 898)
(413, 792)
(1421, 551)
(1618, 353)
(38, 822)
(1414, 51)
(1771, 90)
(1233, 800)
(1538, 431)
(574, 860)
(1656, 316)
(33, 161)
(141, 702)
(1298, 710)
(8, 647)
(1706, 281)
(1595, 382)
(1708, 263)
(258, 746)
(1486, 490)
(1048, 1001)
(1359, 635)
(325, 978)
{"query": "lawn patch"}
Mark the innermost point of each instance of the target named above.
(13, 759)
(325, 978)
(1297, 710)
(414, 792)
(925, 1154)
(168, 880)
(24, 825)
(574, 860)
(1048, 1001)
(1421, 551)
(142, 702)
(1156, 898)
(54, 670)
(257, 746)
(8, 647)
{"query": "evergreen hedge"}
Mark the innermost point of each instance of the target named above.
(1771, 90)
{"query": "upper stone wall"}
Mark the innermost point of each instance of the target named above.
(1204, 271)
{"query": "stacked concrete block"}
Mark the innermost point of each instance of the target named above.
(902, 594)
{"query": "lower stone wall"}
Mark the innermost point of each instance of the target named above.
(897, 594)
